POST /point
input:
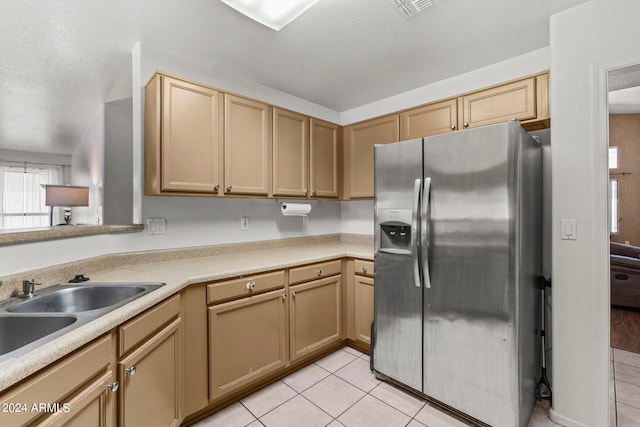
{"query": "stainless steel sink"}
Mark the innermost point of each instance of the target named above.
(72, 299)
(19, 331)
(26, 323)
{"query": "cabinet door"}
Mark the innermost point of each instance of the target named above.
(324, 159)
(432, 119)
(499, 104)
(314, 316)
(360, 139)
(247, 146)
(363, 308)
(290, 153)
(150, 381)
(94, 406)
(247, 340)
(190, 137)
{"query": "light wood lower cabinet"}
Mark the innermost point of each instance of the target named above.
(151, 374)
(247, 340)
(315, 315)
(363, 308)
(75, 391)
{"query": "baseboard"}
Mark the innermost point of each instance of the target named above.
(565, 421)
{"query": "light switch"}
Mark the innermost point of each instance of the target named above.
(568, 229)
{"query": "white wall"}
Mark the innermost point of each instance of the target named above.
(87, 169)
(585, 41)
(118, 171)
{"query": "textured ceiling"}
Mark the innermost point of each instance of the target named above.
(59, 58)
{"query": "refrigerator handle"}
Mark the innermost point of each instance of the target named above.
(424, 232)
(417, 184)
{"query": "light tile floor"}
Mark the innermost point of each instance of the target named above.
(624, 388)
(339, 390)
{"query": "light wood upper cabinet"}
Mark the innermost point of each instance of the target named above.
(183, 151)
(359, 141)
(247, 340)
(290, 153)
(315, 315)
(324, 160)
(432, 119)
(247, 146)
(499, 104)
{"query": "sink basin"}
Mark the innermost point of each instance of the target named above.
(72, 299)
(28, 323)
(16, 332)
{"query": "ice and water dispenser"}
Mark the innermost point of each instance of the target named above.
(395, 230)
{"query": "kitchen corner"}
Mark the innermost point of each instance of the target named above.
(178, 269)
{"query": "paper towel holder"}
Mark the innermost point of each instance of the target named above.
(295, 209)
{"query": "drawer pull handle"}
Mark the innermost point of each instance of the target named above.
(131, 371)
(251, 285)
(113, 387)
(319, 272)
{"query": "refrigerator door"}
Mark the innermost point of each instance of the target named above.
(469, 244)
(397, 336)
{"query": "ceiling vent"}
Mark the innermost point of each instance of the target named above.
(409, 8)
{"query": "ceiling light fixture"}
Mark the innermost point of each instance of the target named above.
(274, 14)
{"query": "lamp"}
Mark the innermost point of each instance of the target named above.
(274, 14)
(67, 196)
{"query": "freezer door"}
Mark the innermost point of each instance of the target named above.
(397, 337)
(469, 244)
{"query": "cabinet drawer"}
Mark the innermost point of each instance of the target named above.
(140, 328)
(244, 286)
(52, 384)
(363, 268)
(314, 271)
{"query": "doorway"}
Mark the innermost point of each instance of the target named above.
(624, 232)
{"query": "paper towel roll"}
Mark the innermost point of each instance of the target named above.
(295, 209)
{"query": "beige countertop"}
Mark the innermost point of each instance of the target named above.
(177, 274)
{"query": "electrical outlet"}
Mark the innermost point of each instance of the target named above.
(244, 223)
(156, 225)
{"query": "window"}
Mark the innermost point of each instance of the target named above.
(22, 195)
(613, 157)
(613, 206)
(613, 192)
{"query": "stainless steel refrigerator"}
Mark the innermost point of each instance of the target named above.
(458, 222)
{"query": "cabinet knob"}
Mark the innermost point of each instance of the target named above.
(306, 192)
(284, 296)
(465, 124)
(131, 371)
(113, 387)
(319, 272)
(216, 187)
(364, 269)
(229, 187)
(293, 294)
(453, 127)
(314, 192)
(251, 285)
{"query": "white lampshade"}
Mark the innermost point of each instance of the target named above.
(66, 195)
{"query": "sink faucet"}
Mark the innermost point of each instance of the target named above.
(28, 287)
